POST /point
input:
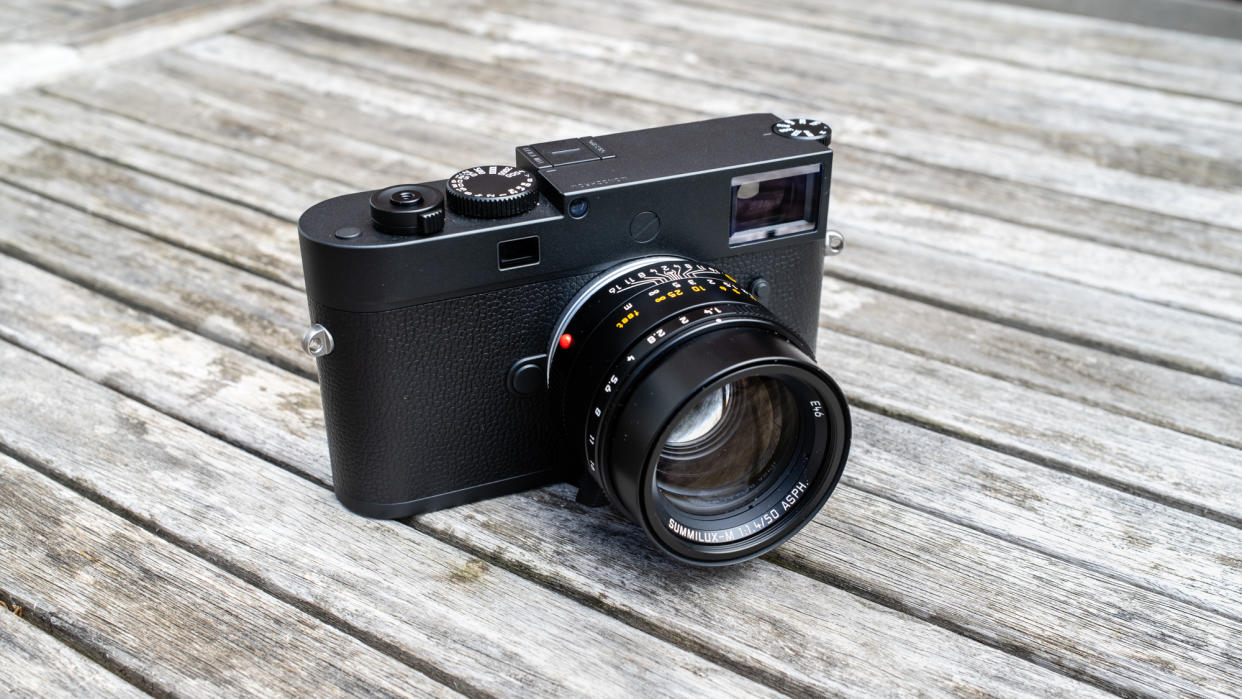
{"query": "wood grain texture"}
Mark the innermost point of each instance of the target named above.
(1166, 397)
(1066, 213)
(168, 620)
(225, 173)
(66, 42)
(1150, 332)
(400, 590)
(1090, 264)
(1045, 427)
(252, 312)
(1034, 606)
(1160, 463)
(1158, 550)
(729, 76)
(1125, 53)
(1192, 341)
(34, 663)
(741, 632)
(170, 212)
(1037, 320)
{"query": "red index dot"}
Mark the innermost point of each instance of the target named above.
(566, 340)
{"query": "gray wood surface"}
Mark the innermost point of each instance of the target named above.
(734, 631)
(208, 385)
(1038, 321)
(156, 613)
(37, 663)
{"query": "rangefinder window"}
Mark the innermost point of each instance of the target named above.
(775, 203)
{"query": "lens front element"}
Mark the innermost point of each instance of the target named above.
(728, 447)
(696, 411)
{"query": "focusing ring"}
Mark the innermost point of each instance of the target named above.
(625, 332)
(644, 420)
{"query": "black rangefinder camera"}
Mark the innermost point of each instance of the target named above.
(633, 313)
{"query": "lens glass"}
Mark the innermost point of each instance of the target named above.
(728, 447)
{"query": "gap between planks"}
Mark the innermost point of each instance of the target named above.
(34, 662)
(337, 535)
(30, 64)
(294, 272)
(308, 370)
(451, 515)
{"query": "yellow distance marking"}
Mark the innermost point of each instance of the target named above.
(632, 315)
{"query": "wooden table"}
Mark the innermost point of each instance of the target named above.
(1037, 319)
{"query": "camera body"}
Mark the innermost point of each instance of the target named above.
(434, 323)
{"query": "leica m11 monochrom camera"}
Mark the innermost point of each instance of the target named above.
(633, 313)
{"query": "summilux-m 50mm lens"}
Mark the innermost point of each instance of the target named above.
(694, 410)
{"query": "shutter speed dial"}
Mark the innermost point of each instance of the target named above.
(492, 191)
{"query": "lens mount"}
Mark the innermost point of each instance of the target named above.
(696, 411)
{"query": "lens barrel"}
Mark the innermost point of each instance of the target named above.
(699, 415)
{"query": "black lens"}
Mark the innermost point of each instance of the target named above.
(695, 410)
(728, 447)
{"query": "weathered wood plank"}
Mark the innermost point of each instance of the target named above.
(1078, 621)
(857, 621)
(1184, 402)
(1123, 270)
(1120, 52)
(1081, 613)
(967, 235)
(1155, 548)
(226, 173)
(912, 87)
(1151, 332)
(273, 342)
(1022, 153)
(33, 663)
(1060, 212)
(1074, 215)
(248, 311)
(165, 618)
(166, 91)
(240, 236)
(16, 18)
(47, 50)
(1199, 344)
(80, 23)
(427, 603)
(1217, 344)
(264, 318)
(1190, 472)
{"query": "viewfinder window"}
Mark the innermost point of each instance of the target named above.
(775, 203)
